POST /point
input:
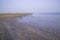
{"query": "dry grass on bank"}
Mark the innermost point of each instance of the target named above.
(6, 15)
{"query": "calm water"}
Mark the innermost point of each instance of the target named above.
(42, 18)
(38, 20)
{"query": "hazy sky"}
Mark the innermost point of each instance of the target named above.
(30, 6)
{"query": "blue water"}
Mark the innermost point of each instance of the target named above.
(48, 23)
(42, 18)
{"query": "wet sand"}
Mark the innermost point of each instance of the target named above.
(32, 27)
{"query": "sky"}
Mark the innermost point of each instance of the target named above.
(29, 6)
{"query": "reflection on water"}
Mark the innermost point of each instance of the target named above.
(41, 18)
